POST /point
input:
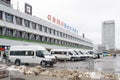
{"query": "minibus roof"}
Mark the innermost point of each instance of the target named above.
(26, 47)
(61, 49)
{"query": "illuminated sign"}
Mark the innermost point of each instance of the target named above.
(61, 23)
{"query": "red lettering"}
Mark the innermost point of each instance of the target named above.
(61, 24)
(53, 19)
(49, 17)
(58, 21)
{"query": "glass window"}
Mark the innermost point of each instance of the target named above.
(50, 40)
(40, 38)
(70, 53)
(39, 54)
(40, 27)
(57, 33)
(45, 39)
(33, 37)
(64, 35)
(49, 30)
(9, 17)
(54, 32)
(60, 34)
(1, 14)
(18, 20)
(9, 32)
(45, 29)
(33, 25)
(30, 53)
(27, 35)
(27, 23)
(17, 53)
(1, 30)
(18, 34)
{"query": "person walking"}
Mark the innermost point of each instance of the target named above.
(114, 55)
(4, 57)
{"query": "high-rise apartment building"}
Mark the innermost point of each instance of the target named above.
(108, 34)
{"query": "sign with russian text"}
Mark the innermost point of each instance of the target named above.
(61, 23)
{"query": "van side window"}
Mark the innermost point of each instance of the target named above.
(52, 52)
(22, 53)
(39, 54)
(29, 53)
(64, 53)
(70, 53)
(56, 52)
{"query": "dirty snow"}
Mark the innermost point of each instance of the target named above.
(62, 73)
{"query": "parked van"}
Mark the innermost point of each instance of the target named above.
(92, 52)
(81, 54)
(30, 54)
(64, 54)
(86, 54)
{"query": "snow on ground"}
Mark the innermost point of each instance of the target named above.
(62, 73)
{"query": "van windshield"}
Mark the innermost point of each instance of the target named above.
(73, 53)
(81, 52)
(76, 52)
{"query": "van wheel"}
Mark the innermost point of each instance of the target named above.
(8, 62)
(43, 64)
(17, 62)
(51, 65)
(72, 59)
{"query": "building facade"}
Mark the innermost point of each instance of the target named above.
(20, 28)
(108, 34)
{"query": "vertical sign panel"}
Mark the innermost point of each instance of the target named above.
(28, 9)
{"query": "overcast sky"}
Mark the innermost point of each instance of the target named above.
(86, 15)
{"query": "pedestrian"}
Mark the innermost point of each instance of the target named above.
(4, 57)
(114, 55)
(98, 56)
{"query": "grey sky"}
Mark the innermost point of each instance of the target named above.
(86, 15)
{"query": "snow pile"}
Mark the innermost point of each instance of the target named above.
(26, 70)
(63, 73)
(16, 68)
(2, 66)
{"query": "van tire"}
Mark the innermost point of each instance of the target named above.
(17, 62)
(43, 64)
(8, 62)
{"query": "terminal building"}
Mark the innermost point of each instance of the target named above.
(18, 28)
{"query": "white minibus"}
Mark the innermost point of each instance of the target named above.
(64, 54)
(82, 56)
(30, 54)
